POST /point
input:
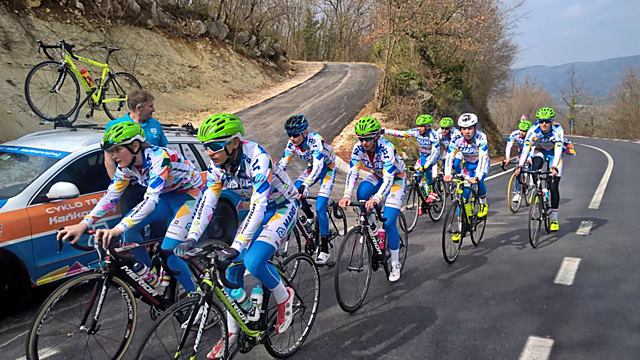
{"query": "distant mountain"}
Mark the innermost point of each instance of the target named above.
(600, 77)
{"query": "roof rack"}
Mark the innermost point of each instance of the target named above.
(63, 122)
(185, 128)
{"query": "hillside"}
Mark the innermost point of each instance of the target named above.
(187, 75)
(600, 77)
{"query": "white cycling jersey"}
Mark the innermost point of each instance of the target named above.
(474, 151)
(317, 152)
(257, 173)
(385, 164)
(551, 143)
(428, 144)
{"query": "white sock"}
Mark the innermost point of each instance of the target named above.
(395, 255)
(280, 293)
(483, 200)
(554, 214)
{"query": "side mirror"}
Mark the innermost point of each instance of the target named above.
(63, 190)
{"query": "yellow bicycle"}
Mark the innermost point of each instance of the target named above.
(52, 88)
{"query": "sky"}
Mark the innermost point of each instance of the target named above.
(556, 32)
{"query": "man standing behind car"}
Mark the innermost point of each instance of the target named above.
(141, 111)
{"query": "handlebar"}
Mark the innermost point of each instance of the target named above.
(336, 214)
(214, 252)
(61, 45)
(377, 207)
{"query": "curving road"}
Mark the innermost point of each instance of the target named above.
(499, 300)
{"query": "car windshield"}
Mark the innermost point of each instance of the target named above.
(18, 169)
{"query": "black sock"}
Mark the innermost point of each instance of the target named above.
(324, 244)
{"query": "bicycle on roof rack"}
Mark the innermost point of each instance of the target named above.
(52, 87)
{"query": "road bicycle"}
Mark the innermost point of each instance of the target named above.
(180, 333)
(519, 184)
(540, 209)
(95, 314)
(416, 201)
(52, 87)
(461, 219)
(305, 236)
(361, 253)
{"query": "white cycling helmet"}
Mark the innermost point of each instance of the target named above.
(467, 120)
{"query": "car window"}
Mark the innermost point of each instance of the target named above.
(18, 170)
(193, 157)
(176, 147)
(203, 154)
(87, 173)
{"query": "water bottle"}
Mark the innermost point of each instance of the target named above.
(87, 77)
(164, 278)
(240, 297)
(146, 274)
(382, 242)
(257, 294)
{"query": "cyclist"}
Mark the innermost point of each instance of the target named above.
(548, 139)
(472, 147)
(173, 188)
(445, 133)
(320, 159)
(428, 147)
(517, 137)
(234, 163)
(387, 180)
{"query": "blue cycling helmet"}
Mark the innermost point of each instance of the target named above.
(296, 124)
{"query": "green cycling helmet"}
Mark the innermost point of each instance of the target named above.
(122, 133)
(545, 113)
(424, 119)
(525, 125)
(367, 126)
(446, 122)
(220, 127)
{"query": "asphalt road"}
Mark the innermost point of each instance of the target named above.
(498, 300)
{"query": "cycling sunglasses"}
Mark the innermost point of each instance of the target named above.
(548, 121)
(445, 128)
(216, 146)
(366, 138)
(294, 135)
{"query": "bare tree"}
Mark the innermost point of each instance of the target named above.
(573, 97)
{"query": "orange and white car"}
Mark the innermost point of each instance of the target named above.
(53, 178)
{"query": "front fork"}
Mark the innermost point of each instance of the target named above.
(93, 327)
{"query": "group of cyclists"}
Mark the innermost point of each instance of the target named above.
(175, 190)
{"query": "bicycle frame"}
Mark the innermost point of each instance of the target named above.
(96, 95)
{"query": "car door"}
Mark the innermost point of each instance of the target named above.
(88, 173)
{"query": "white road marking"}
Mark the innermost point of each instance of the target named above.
(45, 353)
(498, 174)
(13, 338)
(536, 348)
(597, 197)
(585, 228)
(567, 272)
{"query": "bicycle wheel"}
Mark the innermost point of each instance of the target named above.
(178, 325)
(535, 219)
(512, 190)
(306, 284)
(353, 270)
(404, 240)
(453, 226)
(59, 330)
(412, 207)
(436, 209)
(527, 191)
(52, 90)
(478, 224)
(114, 94)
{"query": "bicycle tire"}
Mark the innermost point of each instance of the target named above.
(403, 245)
(347, 249)
(527, 190)
(29, 87)
(511, 190)
(108, 314)
(180, 312)
(546, 208)
(535, 221)
(121, 91)
(436, 209)
(455, 213)
(302, 287)
(478, 224)
(412, 206)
